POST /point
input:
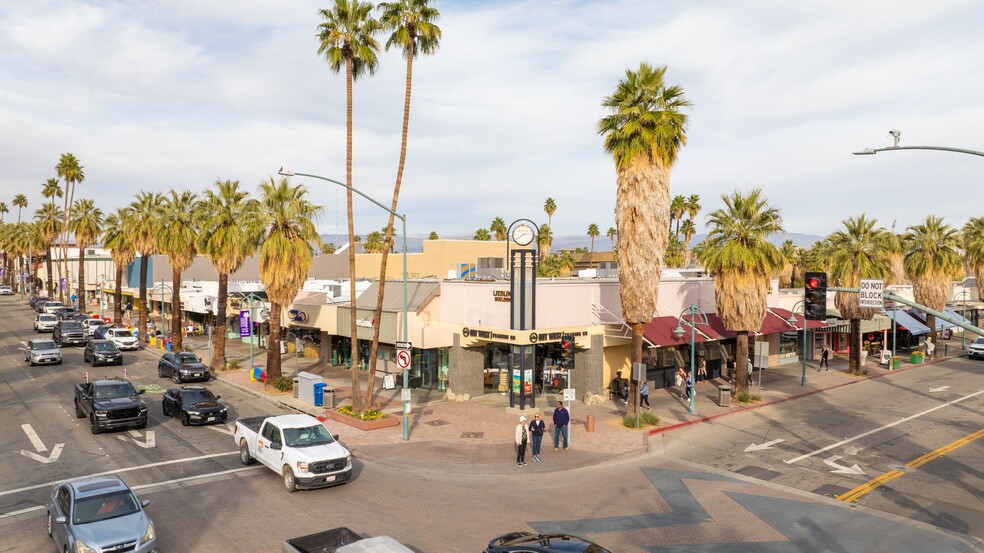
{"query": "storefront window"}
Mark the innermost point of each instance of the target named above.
(788, 346)
(496, 368)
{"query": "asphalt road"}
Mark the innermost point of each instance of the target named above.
(203, 499)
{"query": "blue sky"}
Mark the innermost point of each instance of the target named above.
(175, 94)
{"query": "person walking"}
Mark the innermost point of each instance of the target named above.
(702, 370)
(824, 355)
(561, 418)
(522, 438)
(644, 394)
(537, 427)
(681, 379)
(690, 384)
(731, 368)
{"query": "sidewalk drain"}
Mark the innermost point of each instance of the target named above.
(438, 422)
(830, 490)
(473, 435)
(758, 472)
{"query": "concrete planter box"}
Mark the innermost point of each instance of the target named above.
(385, 422)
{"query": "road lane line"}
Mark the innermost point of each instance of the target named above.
(880, 428)
(857, 492)
(119, 471)
(35, 439)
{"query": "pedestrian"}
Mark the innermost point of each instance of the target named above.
(731, 368)
(690, 384)
(561, 418)
(681, 378)
(522, 437)
(751, 369)
(702, 370)
(930, 347)
(824, 355)
(537, 427)
(644, 394)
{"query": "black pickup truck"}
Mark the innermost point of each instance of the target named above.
(110, 404)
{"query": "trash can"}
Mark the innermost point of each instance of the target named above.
(168, 344)
(297, 384)
(329, 397)
(319, 394)
(724, 395)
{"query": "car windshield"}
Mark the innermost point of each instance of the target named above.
(123, 334)
(193, 397)
(105, 346)
(111, 391)
(309, 436)
(103, 507)
(44, 344)
(979, 342)
(71, 325)
(186, 358)
(47, 318)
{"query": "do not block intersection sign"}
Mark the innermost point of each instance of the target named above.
(870, 294)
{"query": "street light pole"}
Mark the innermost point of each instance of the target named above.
(792, 320)
(678, 332)
(252, 299)
(403, 220)
(963, 313)
(873, 151)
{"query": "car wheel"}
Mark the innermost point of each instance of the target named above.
(164, 410)
(289, 481)
(175, 377)
(185, 419)
(78, 411)
(93, 427)
(244, 456)
(160, 372)
(49, 524)
(119, 362)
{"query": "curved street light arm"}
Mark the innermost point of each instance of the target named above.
(873, 151)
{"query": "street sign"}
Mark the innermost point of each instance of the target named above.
(403, 345)
(403, 358)
(569, 394)
(245, 324)
(870, 294)
(405, 394)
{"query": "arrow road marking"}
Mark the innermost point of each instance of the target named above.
(40, 447)
(148, 443)
(223, 429)
(852, 451)
(841, 469)
(940, 389)
(766, 445)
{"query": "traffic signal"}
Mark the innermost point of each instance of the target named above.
(566, 351)
(815, 297)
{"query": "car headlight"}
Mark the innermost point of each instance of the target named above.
(102, 414)
(302, 466)
(81, 547)
(348, 460)
(224, 410)
(149, 534)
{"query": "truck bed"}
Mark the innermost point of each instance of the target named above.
(253, 423)
(323, 542)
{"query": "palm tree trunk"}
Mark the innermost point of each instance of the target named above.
(633, 403)
(118, 296)
(176, 327)
(143, 311)
(388, 241)
(81, 288)
(51, 289)
(855, 354)
(741, 363)
(273, 368)
(219, 332)
(356, 392)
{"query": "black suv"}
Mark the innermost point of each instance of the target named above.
(102, 352)
(525, 542)
(69, 332)
(110, 403)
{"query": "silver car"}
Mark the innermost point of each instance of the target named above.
(976, 349)
(42, 351)
(99, 514)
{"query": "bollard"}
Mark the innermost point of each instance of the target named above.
(590, 423)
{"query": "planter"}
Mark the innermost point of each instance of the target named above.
(915, 358)
(384, 422)
(895, 363)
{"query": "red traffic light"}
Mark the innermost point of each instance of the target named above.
(566, 344)
(812, 283)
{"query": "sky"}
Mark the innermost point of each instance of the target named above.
(175, 94)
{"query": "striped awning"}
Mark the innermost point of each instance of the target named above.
(877, 323)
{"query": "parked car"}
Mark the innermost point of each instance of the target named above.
(194, 405)
(36, 299)
(182, 366)
(69, 333)
(99, 513)
(110, 403)
(100, 331)
(342, 540)
(123, 337)
(45, 322)
(6, 290)
(67, 313)
(82, 317)
(102, 352)
(39, 305)
(526, 542)
(976, 349)
(297, 447)
(92, 324)
(52, 306)
(41, 351)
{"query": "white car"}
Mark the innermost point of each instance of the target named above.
(45, 322)
(53, 306)
(6, 290)
(976, 349)
(92, 324)
(123, 338)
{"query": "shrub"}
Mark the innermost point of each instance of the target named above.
(232, 364)
(646, 418)
(747, 397)
(284, 383)
(365, 415)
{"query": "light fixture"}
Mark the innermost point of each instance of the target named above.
(678, 331)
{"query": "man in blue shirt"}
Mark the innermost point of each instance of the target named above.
(561, 418)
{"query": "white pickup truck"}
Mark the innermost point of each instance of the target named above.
(297, 447)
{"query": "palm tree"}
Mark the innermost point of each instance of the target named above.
(228, 235)
(931, 261)
(689, 230)
(433, 236)
(51, 190)
(146, 218)
(678, 206)
(545, 240)
(286, 254)
(4, 209)
(549, 207)
(737, 252)
(482, 235)
(178, 240)
(71, 171)
(498, 227)
(593, 232)
(346, 39)
(374, 242)
(644, 134)
(116, 238)
(859, 251)
(675, 255)
(86, 223)
(789, 254)
(20, 202)
(972, 237)
(46, 218)
(611, 234)
(692, 205)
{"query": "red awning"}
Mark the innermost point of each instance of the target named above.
(717, 326)
(659, 332)
(810, 325)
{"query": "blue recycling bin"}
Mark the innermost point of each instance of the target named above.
(167, 344)
(319, 394)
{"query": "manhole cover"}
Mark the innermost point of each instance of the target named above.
(830, 490)
(437, 423)
(473, 435)
(758, 472)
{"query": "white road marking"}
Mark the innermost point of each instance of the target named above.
(150, 442)
(841, 469)
(766, 445)
(852, 451)
(224, 430)
(55, 454)
(880, 428)
(940, 389)
(35, 440)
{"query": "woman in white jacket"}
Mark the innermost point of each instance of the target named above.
(522, 438)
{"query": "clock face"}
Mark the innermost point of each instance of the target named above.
(522, 235)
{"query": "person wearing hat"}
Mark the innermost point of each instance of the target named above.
(537, 427)
(522, 438)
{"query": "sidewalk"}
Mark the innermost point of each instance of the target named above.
(479, 433)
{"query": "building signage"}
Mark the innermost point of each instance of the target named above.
(364, 323)
(245, 324)
(502, 295)
(870, 294)
(520, 337)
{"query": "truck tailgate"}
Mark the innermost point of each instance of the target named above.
(323, 542)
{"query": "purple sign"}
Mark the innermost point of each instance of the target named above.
(245, 324)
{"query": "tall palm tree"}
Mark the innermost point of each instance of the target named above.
(117, 239)
(374, 242)
(972, 237)
(674, 256)
(689, 230)
(51, 190)
(286, 253)
(593, 232)
(20, 202)
(545, 240)
(678, 206)
(737, 252)
(433, 236)
(818, 257)
(48, 220)
(229, 233)
(86, 223)
(482, 235)
(789, 254)
(4, 209)
(643, 133)
(611, 234)
(71, 171)
(498, 228)
(931, 261)
(146, 222)
(549, 207)
(178, 240)
(859, 251)
(346, 40)
(692, 205)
